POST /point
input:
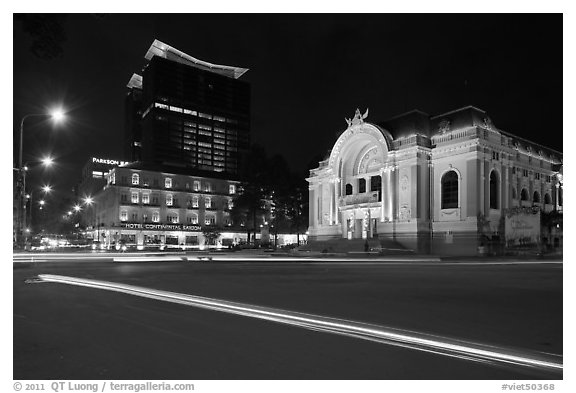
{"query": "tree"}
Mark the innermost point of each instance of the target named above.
(248, 206)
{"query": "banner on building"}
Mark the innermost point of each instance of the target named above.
(522, 226)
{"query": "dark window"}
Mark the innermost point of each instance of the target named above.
(376, 185)
(494, 190)
(349, 189)
(361, 185)
(536, 198)
(514, 196)
(524, 195)
(449, 190)
(547, 199)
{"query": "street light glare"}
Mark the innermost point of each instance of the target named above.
(58, 115)
(47, 161)
(88, 200)
(77, 208)
(42, 202)
(47, 188)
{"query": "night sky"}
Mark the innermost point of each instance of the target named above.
(307, 73)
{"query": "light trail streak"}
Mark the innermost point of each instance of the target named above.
(404, 338)
(176, 257)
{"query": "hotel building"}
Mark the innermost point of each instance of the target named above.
(187, 112)
(146, 206)
(447, 184)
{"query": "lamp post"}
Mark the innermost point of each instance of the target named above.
(89, 201)
(56, 115)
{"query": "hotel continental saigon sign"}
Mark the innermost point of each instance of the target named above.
(162, 227)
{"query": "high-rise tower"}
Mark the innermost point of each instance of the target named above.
(187, 112)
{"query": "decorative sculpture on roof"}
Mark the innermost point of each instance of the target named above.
(487, 123)
(358, 118)
(444, 126)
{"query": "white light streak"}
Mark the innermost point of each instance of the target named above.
(381, 334)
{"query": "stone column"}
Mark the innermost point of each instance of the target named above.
(382, 199)
(311, 204)
(336, 200)
(331, 204)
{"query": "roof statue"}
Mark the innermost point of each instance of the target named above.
(358, 118)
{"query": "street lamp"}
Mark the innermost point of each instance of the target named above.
(57, 115)
(48, 161)
(30, 200)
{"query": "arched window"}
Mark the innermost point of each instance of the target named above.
(361, 185)
(524, 195)
(449, 187)
(349, 189)
(536, 197)
(376, 185)
(494, 190)
(514, 194)
(135, 179)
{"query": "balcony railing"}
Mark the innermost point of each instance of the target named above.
(355, 199)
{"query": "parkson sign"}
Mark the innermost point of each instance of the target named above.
(108, 161)
(162, 227)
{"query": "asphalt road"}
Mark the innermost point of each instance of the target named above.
(69, 332)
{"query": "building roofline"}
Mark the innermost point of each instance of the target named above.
(406, 113)
(135, 82)
(457, 110)
(529, 142)
(159, 48)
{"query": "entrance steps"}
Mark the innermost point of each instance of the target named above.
(378, 245)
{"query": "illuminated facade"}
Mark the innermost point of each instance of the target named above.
(185, 111)
(441, 184)
(142, 206)
(94, 175)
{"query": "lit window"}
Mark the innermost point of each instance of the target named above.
(210, 220)
(135, 197)
(169, 200)
(135, 179)
(196, 185)
(146, 198)
(97, 174)
(173, 218)
(168, 182)
(155, 217)
(230, 204)
(113, 178)
(195, 201)
(208, 202)
(123, 215)
(232, 189)
(449, 189)
(207, 186)
(193, 219)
